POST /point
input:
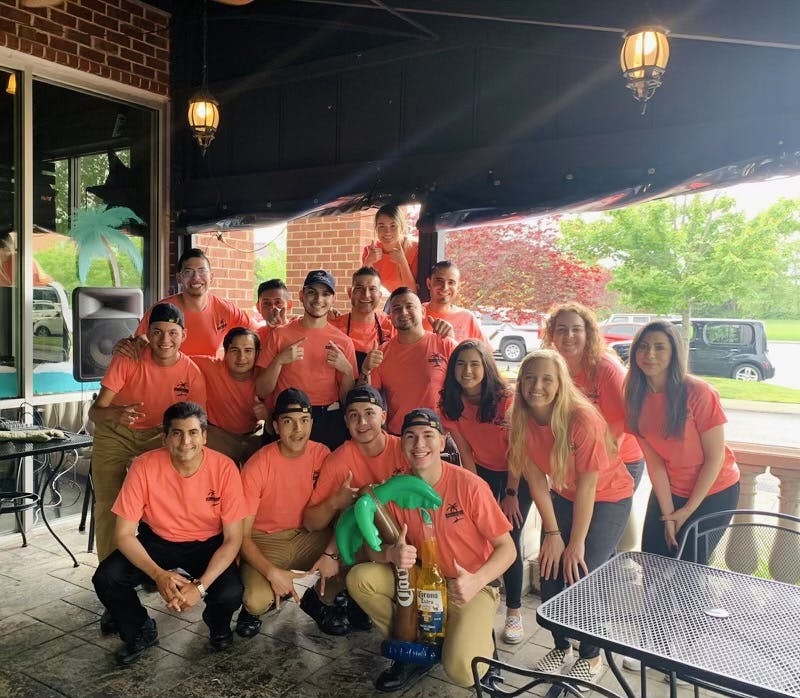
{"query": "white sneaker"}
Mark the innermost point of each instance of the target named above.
(584, 669)
(553, 661)
(513, 633)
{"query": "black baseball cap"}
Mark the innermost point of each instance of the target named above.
(422, 417)
(292, 400)
(365, 393)
(320, 276)
(166, 312)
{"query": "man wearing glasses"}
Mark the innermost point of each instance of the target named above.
(208, 317)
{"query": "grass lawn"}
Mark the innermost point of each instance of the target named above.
(761, 392)
(786, 330)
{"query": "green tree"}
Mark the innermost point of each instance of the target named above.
(687, 253)
(272, 263)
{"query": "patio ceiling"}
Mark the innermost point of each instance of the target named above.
(476, 108)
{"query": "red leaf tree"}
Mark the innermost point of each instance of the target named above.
(517, 271)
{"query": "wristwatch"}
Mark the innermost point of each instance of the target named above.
(200, 588)
(511, 492)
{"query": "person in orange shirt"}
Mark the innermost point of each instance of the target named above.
(278, 481)
(474, 407)
(475, 548)
(443, 284)
(187, 503)
(208, 317)
(127, 412)
(234, 410)
(410, 367)
(557, 434)
(394, 254)
(679, 423)
(274, 305)
(365, 324)
(313, 356)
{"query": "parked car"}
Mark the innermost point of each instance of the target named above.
(47, 319)
(731, 348)
(620, 331)
(512, 342)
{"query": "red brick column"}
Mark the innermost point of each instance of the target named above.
(333, 243)
(232, 262)
(123, 40)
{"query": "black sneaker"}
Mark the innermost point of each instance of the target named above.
(357, 617)
(331, 620)
(108, 626)
(146, 636)
(247, 625)
(221, 642)
(399, 675)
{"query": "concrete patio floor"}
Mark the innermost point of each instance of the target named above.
(50, 643)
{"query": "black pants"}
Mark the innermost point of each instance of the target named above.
(512, 578)
(116, 579)
(605, 529)
(653, 534)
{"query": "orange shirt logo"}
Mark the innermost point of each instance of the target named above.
(454, 511)
(221, 325)
(181, 389)
(212, 498)
(436, 359)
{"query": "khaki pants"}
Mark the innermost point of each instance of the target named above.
(295, 549)
(238, 447)
(114, 448)
(468, 631)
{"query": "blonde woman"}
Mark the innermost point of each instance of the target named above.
(557, 435)
(394, 254)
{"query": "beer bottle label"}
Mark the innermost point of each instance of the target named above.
(430, 608)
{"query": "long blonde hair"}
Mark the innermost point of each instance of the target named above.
(569, 404)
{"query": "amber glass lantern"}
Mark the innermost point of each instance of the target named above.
(643, 59)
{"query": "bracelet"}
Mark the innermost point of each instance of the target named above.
(554, 532)
(332, 556)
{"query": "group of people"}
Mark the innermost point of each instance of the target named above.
(191, 496)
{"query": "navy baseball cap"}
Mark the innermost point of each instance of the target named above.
(365, 393)
(422, 417)
(320, 276)
(292, 400)
(166, 312)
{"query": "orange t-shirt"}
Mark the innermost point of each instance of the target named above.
(390, 274)
(312, 374)
(465, 324)
(488, 440)
(588, 446)
(277, 488)
(465, 525)
(157, 387)
(412, 375)
(230, 402)
(205, 329)
(684, 456)
(607, 392)
(366, 334)
(366, 470)
(177, 508)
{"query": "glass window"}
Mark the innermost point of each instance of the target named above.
(9, 242)
(729, 334)
(92, 189)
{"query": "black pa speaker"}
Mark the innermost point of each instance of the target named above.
(100, 318)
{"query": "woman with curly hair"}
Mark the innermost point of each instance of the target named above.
(573, 331)
(474, 403)
(679, 422)
(557, 434)
(394, 254)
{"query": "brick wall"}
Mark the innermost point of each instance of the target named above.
(333, 243)
(232, 262)
(123, 40)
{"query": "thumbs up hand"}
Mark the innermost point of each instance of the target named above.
(463, 587)
(401, 554)
(373, 359)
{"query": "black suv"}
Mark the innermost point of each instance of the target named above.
(723, 347)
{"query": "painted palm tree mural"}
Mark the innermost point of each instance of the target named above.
(97, 232)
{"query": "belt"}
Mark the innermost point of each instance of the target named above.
(317, 410)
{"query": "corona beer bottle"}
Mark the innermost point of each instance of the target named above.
(431, 589)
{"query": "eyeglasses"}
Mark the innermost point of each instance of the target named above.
(189, 273)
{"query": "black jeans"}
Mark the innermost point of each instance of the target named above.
(116, 579)
(636, 469)
(653, 534)
(605, 529)
(512, 577)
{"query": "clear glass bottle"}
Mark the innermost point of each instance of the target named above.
(431, 589)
